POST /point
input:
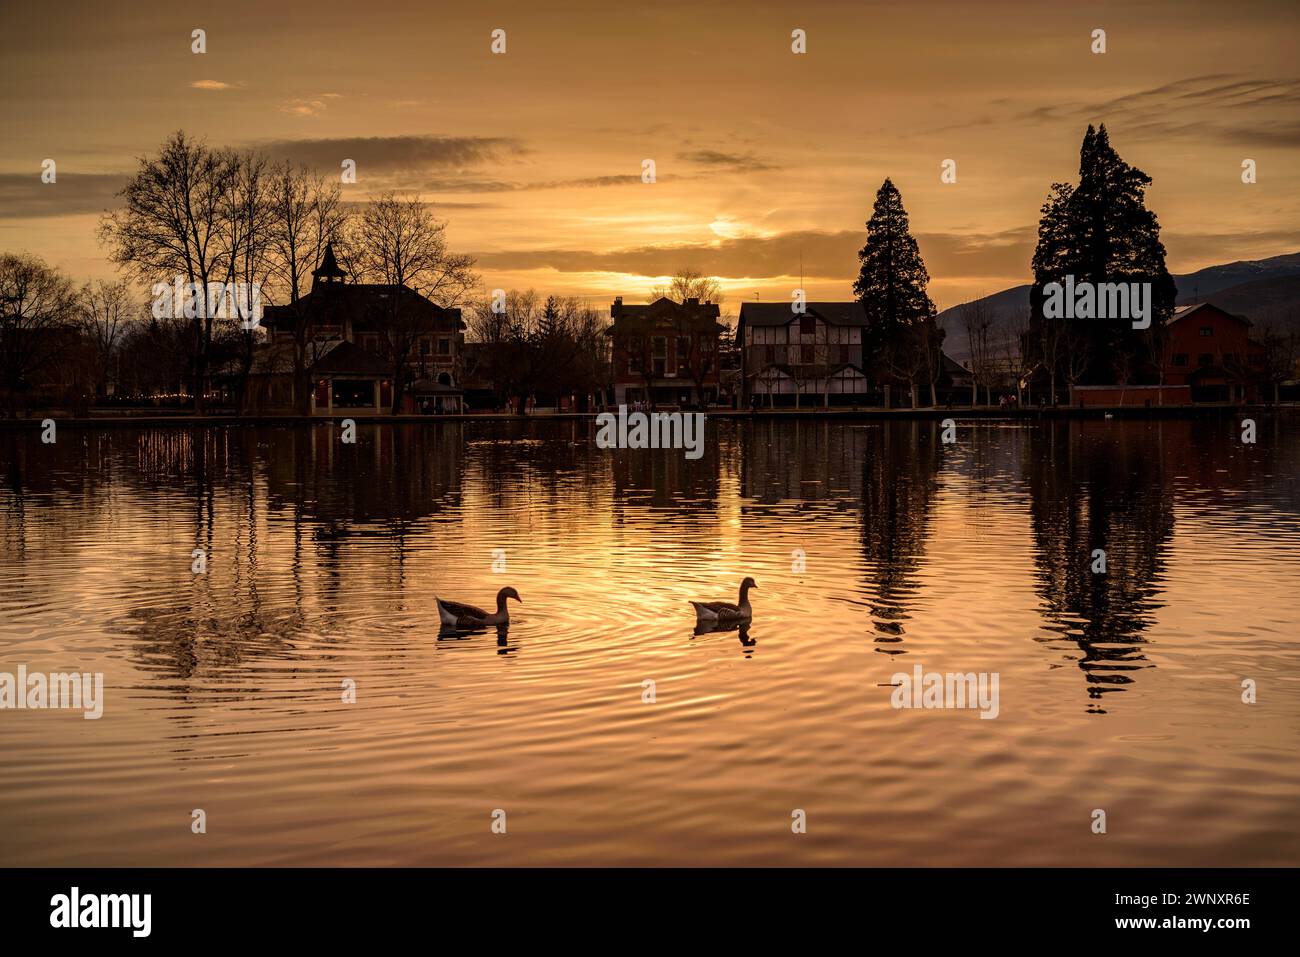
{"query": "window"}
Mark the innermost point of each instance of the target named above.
(1206, 332)
(354, 393)
(424, 345)
(683, 352)
(634, 348)
(1180, 358)
(659, 355)
(769, 355)
(444, 346)
(1205, 359)
(844, 355)
(807, 355)
(807, 325)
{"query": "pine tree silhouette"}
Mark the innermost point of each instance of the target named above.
(1101, 232)
(891, 288)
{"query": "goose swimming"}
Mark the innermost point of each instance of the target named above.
(724, 611)
(455, 615)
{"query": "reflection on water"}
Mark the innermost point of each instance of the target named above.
(876, 547)
(1093, 495)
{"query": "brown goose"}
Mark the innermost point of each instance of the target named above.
(455, 615)
(724, 611)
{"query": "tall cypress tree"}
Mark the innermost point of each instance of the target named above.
(891, 288)
(1101, 232)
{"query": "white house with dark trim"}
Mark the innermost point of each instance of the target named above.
(813, 357)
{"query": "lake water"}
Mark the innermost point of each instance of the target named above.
(876, 548)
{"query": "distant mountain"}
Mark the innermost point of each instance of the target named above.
(1007, 312)
(1262, 290)
(1204, 283)
(1273, 300)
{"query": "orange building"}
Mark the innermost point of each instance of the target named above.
(1208, 357)
(1210, 351)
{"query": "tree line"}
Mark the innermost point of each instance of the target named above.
(1098, 231)
(230, 216)
(222, 215)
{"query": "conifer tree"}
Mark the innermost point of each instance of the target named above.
(1101, 232)
(891, 288)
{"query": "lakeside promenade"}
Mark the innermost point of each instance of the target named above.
(1205, 410)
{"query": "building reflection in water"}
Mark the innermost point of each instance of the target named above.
(299, 531)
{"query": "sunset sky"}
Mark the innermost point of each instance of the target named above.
(763, 156)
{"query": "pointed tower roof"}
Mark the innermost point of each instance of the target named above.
(329, 266)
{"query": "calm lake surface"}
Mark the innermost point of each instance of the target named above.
(224, 690)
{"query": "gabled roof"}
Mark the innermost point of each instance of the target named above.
(1182, 312)
(365, 304)
(692, 312)
(663, 306)
(951, 365)
(782, 313)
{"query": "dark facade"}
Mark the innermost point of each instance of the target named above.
(666, 353)
(361, 338)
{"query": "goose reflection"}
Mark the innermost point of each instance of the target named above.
(450, 636)
(741, 628)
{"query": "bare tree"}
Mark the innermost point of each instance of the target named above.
(689, 283)
(800, 364)
(173, 223)
(1280, 351)
(106, 308)
(154, 356)
(503, 330)
(526, 346)
(307, 214)
(977, 317)
(402, 244)
(810, 361)
(248, 220)
(1076, 354)
(930, 338)
(1057, 345)
(1157, 344)
(38, 310)
(697, 353)
(700, 358)
(827, 353)
(906, 359)
(1020, 360)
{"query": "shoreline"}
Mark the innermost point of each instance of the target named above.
(1224, 410)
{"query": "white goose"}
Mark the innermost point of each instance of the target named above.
(724, 611)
